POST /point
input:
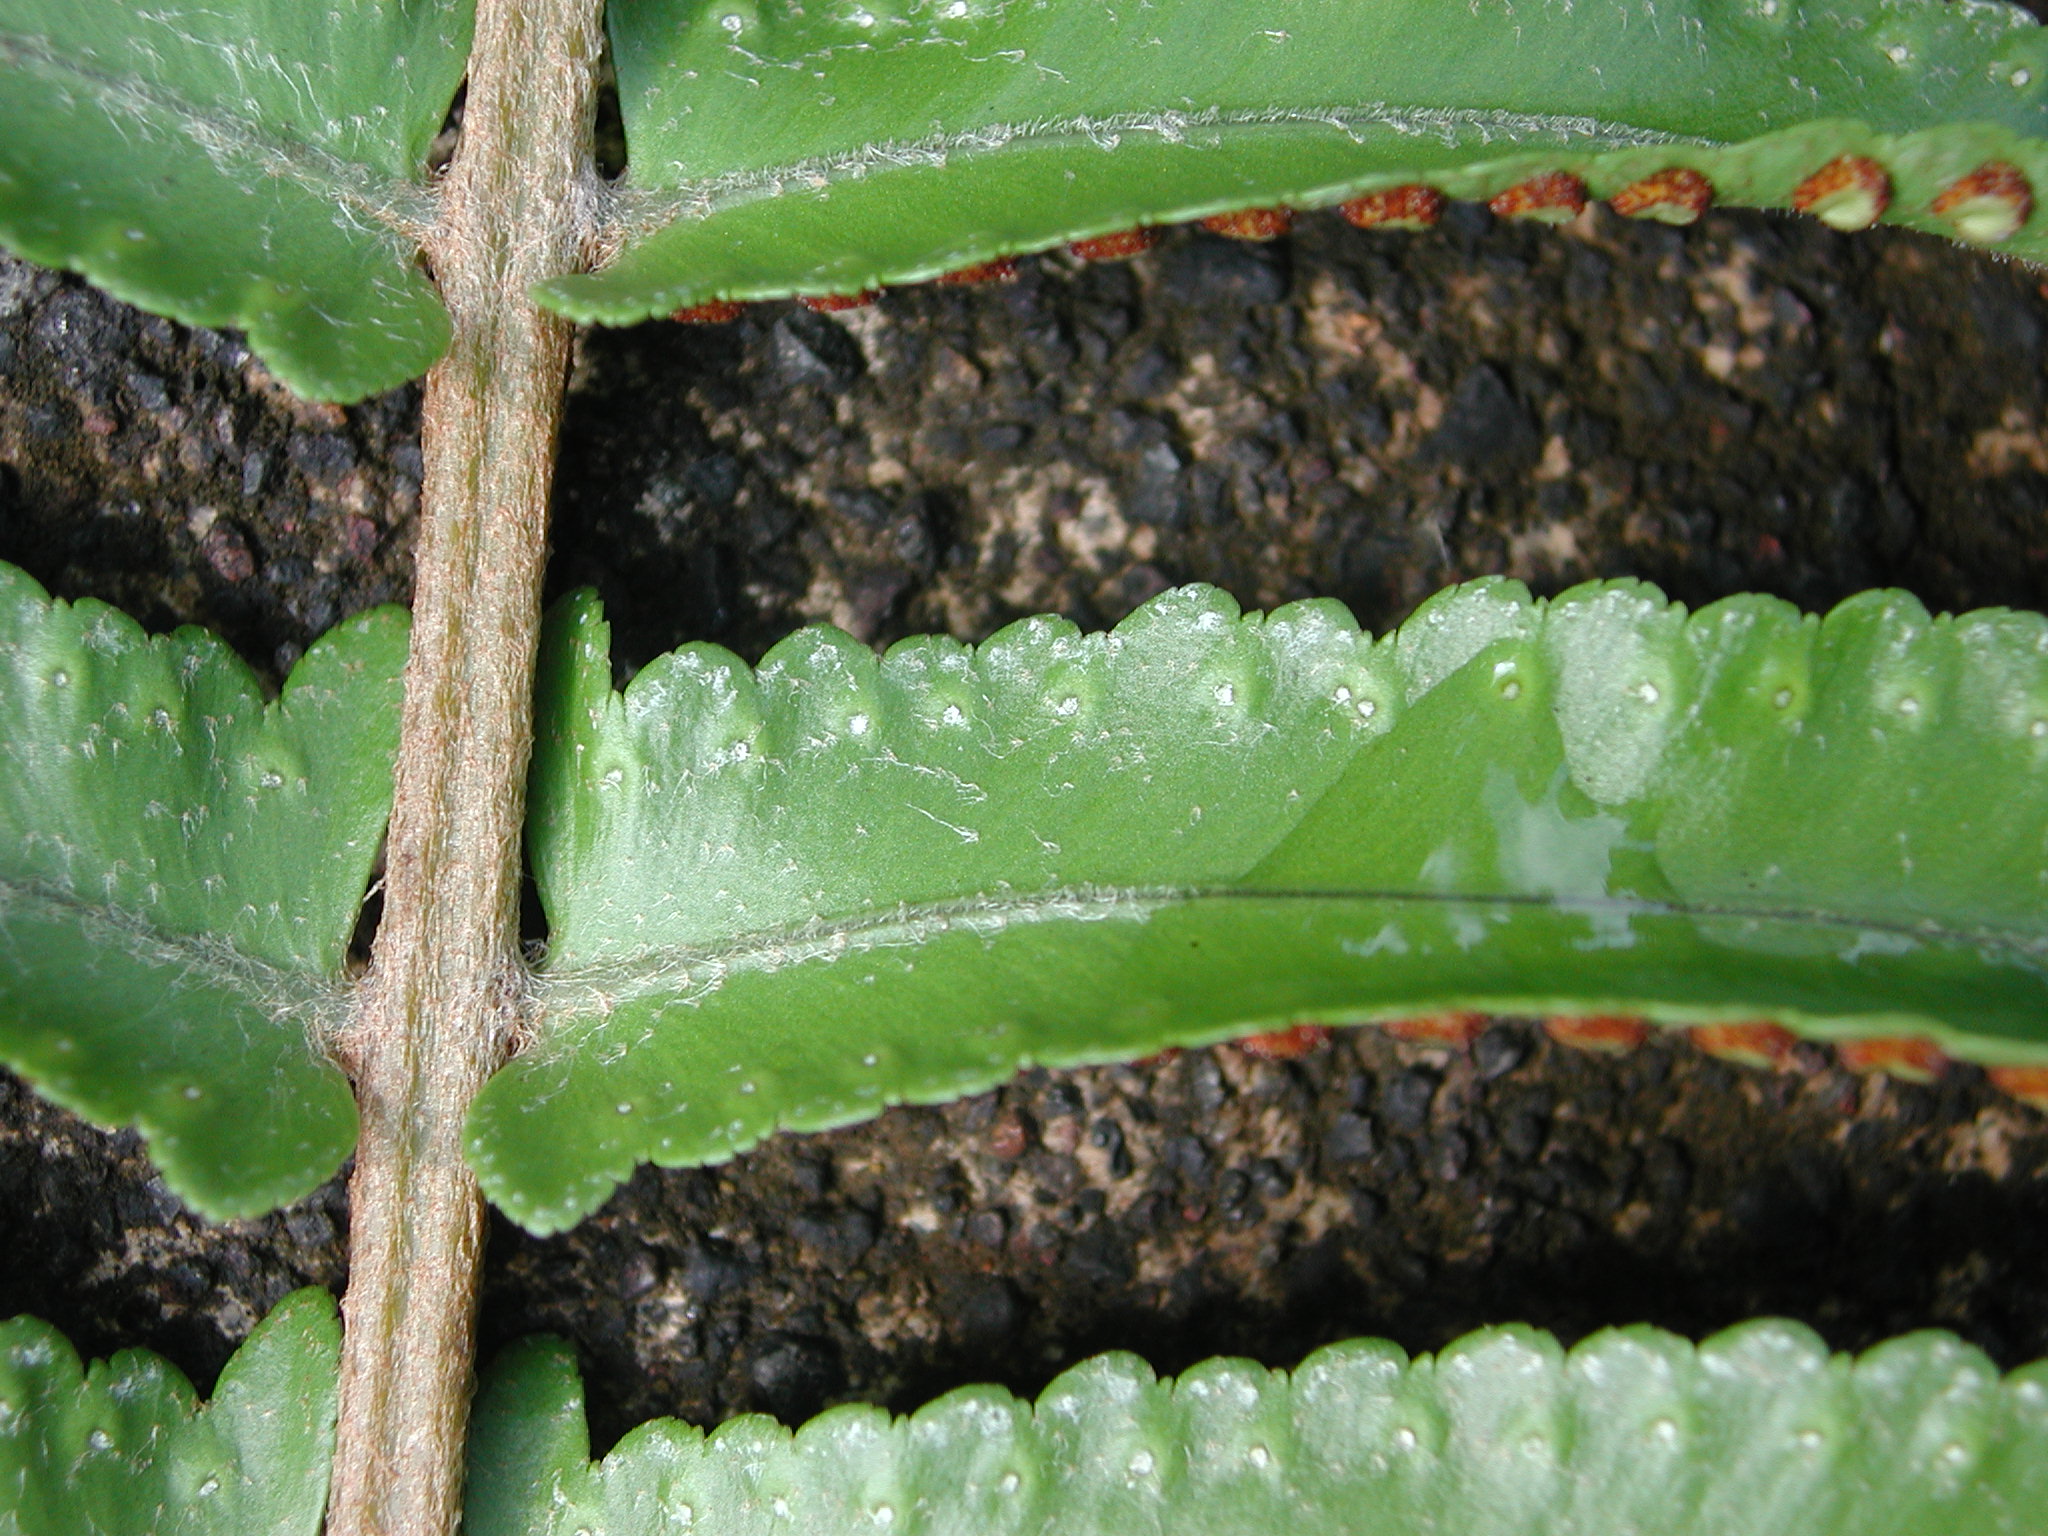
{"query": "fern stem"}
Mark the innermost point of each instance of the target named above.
(440, 1003)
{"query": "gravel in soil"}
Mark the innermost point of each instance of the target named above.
(1751, 404)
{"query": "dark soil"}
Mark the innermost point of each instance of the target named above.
(1751, 404)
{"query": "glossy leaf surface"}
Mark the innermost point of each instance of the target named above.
(1633, 1433)
(778, 148)
(180, 871)
(785, 898)
(240, 162)
(124, 1448)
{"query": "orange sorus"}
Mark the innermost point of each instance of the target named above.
(1902, 1056)
(1159, 1058)
(1453, 1029)
(1617, 1033)
(712, 312)
(2027, 1084)
(1850, 192)
(1759, 1044)
(1555, 197)
(1001, 270)
(1676, 195)
(1289, 1044)
(1251, 223)
(1988, 205)
(1409, 207)
(1118, 247)
(832, 303)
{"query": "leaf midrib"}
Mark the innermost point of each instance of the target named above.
(233, 142)
(278, 992)
(644, 210)
(600, 987)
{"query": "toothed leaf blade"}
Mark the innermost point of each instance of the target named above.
(243, 162)
(181, 866)
(777, 148)
(1632, 1433)
(123, 1447)
(785, 897)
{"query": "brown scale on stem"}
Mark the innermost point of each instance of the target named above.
(440, 1006)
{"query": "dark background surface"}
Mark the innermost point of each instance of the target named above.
(1753, 404)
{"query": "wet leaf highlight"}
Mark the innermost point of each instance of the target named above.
(124, 1446)
(778, 149)
(785, 897)
(180, 869)
(256, 163)
(1632, 1433)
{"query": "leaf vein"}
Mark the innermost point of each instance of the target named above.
(199, 961)
(643, 211)
(234, 143)
(689, 973)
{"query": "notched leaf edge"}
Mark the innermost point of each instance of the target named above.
(124, 1445)
(1633, 1430)
(1670, 832)
(163, 962)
